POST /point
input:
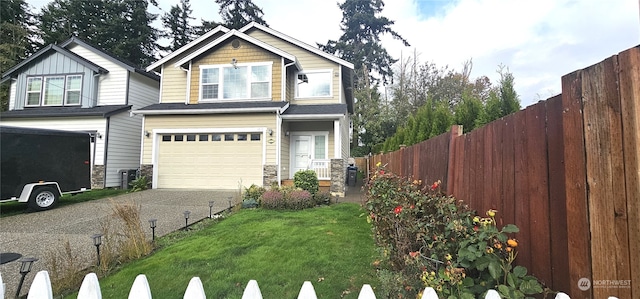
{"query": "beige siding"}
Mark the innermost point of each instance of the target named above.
(346, 146)
(284, 152)
(174, 83)
(309, 61)
(317, 126)
(215, 121)
(112, 87)
(247, 53)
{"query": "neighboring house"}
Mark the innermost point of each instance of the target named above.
(248, 106)
(76, 87)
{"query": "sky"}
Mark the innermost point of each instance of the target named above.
(538, 40)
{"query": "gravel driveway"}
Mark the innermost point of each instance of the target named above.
(33, 234)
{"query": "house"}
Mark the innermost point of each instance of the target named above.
(248, 106)
(75, 86)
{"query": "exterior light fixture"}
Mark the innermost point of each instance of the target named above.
(186, 219)
(147, 134)
(97, 241)
(211, 208)
(234, 62)
(152, 224)
(270, 132)
(25, 268)
(230, 206)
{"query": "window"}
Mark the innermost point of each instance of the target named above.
(242, 137)
(204, 138)
(54, 90)
(216, 137)
(319, 147)
(191, 137)
(166, 138)
(314, 84)
(255, 137)
(228, 137)
(226, 82)
(178, 137)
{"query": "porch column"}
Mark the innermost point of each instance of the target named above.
(337, 146)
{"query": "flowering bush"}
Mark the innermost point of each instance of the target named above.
(272, 199)
(428, 239)
(287, 198)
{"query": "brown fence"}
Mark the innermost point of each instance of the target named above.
(565, 170)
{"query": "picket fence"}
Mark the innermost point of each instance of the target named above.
(90, 289)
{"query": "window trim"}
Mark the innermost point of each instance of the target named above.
(316, 71)
(41, 98)
(221, 67)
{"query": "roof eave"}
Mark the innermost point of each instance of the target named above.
(206, 111)
(311, 116)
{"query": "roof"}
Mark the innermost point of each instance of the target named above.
(296, 42)
(326, 109)
(38, 131)
(52, 47)
(36, 112)
(219, 107)
(111, 57)
(243, 36)
(186, 47)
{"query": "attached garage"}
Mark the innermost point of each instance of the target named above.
(216, 160)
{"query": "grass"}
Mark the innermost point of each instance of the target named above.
(330, 246)
(14, 207)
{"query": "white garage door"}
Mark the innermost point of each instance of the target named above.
(210, 161)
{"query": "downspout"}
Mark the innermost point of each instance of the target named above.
(188, 93)
(106, 148)
(278, 145)
(126, 97)
(284, 78)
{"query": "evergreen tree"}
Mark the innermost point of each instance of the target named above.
(177, 27)
(18, 39)
(468, 111)
(360, 43)
(509, 99)
(238, 13)
(122, 28)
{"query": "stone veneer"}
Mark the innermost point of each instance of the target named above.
(270, 175)
(97, 177)
(147, 171)
(338, 172)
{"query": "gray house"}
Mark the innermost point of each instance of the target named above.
(75, 86)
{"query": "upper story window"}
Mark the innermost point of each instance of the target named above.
(314, 84)
(54, 90)
(242, 81)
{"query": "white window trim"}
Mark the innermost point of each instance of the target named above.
(66, 91)
(330, 71)
(313, 134)
(221, 67)
(42, 90)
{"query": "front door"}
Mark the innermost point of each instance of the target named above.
(301, 153)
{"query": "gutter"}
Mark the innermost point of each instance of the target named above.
(312, 116)
(207, 111)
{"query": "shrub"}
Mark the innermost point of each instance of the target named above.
(253, 192)
(306, 180)
(299, 199)
(139, 184)
(428, 239)
(272, 199)
(287, 198)
(322, 198)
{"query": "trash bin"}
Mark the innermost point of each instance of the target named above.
(126, 177)
(352, 175)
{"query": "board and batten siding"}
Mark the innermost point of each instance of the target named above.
(212, 121)
(246, 53)
(54, 64)
(285, 150)
(309, 62)
(123, 146)
(112, 88)
(12, 95)
(75, 124)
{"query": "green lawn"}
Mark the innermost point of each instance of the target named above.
(330, 246)
(14, 207)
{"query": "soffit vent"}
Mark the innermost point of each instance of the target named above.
(235, 43)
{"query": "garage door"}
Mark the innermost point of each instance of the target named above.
(210, 161)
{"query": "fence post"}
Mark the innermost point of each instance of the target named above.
(307, 291)
(456, 131)
(140, 288)
(90, 288)
(41, 287)
(252, 291)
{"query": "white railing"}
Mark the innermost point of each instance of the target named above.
(322, 167)
(90, 289)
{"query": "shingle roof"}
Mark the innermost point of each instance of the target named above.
(210, 106)
(36, 112)
(316, 109)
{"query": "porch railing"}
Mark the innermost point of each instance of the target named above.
(322, 167)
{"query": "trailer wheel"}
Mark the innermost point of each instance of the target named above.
(43, 198)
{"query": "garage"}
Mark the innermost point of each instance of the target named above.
(209, 160)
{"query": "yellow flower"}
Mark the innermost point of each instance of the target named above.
(489, 250)
(448, 257)
(378, 164)
(512, 243)
(491, 213)
(476, 219)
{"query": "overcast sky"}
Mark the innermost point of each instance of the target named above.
(539, 40)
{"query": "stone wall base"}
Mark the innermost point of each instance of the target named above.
(146, 170)
(270, 175)
(338, 173)
(97, 177)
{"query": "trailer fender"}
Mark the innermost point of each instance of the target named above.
(28, 189)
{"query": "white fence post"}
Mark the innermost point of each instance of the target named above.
(195, 289)
(492, 294)
(366, 292)
(90, 288)
(140, 288)
(307, 291)
(252, 291)
(41, 287)
(562, 295)
(429, 293)
(1, 287)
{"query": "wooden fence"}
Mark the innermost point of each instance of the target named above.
(90, 289)
(565, 170)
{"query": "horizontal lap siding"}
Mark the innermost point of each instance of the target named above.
(309, 61)
(247, 53)
(112, 89)
(216, 121)
(123, 146)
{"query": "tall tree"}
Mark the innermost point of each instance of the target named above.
(360, 43)
(120, 27)
(177, 27)
(238, 13)
(18, 39)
